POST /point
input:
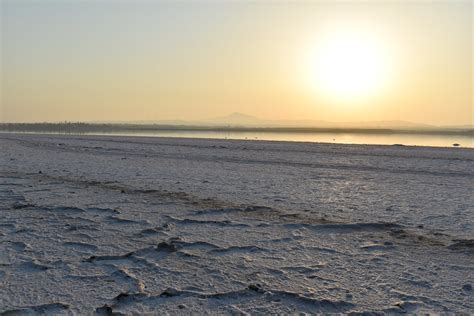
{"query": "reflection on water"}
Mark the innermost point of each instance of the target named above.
(345, 138)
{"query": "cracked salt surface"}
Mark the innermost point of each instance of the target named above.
(160, 225)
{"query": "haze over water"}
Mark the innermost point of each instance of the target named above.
(344, 138)
(336, 138)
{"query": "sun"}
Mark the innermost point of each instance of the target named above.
(348, 65)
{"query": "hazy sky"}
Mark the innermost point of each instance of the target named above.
(153, 60)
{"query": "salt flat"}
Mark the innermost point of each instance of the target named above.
(95, 224)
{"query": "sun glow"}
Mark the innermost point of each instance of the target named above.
(348, 66)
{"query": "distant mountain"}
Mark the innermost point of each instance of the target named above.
(466, 126)
(237, 119)
(387, 124)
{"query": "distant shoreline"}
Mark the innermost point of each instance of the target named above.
(69, 128)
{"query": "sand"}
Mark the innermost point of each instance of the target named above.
(95, 224)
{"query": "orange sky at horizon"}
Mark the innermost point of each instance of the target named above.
(147, 60)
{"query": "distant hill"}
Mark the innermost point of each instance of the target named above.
(241, 120)
(235, 119)
(244, 120)
(459, 126)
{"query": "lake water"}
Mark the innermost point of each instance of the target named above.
(346, 138)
